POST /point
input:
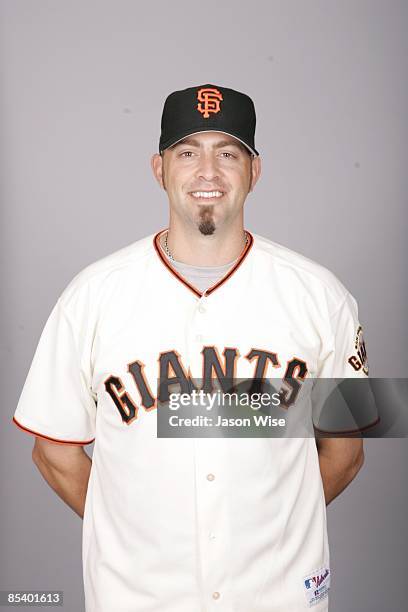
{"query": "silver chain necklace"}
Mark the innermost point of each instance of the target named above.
(167, 250)
(166, 247)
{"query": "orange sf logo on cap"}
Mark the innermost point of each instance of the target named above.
(210, 99)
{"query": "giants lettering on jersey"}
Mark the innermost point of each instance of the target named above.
(171, 372)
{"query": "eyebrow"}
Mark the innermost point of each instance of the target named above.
(196, 143)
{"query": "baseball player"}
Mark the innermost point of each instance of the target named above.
(194, 524)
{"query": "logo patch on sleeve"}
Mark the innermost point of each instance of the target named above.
(359, 361)
(317, 585)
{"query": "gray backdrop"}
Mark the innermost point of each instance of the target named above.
(83, 84)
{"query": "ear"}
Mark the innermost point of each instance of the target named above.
(256, 171)
(157, 167)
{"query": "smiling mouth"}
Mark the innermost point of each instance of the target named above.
(207, 195)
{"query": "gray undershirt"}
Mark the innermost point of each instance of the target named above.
(201, 277)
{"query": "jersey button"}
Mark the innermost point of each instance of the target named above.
(211, 535)
(201, 309)
(216, 595)
(199, 338)
(210, 477)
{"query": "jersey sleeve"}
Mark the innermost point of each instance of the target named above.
(342, 398)
(348, 356)
(57, 402)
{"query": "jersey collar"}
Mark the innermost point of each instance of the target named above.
(164, 260)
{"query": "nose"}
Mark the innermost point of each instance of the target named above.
(207, 168)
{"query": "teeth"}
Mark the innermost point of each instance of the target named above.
(207, 194)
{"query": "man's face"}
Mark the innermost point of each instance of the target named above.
(207, 177)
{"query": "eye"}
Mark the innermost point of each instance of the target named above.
(186, 153)
(230, 155)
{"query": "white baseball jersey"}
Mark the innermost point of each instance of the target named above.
(192, 524)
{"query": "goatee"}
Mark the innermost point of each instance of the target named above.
(206, 224)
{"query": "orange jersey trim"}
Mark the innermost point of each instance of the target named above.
(40, 435)
(164, 260)
(347, 431)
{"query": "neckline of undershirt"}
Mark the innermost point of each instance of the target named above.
(202, 271)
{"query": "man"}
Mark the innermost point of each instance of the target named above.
(194, 524)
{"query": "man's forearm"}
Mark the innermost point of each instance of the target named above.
(336, 476)
(70, 483)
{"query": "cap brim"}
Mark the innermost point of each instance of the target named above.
(198, 131)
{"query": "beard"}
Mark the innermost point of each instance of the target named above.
(206, 223)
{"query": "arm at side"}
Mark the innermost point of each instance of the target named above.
(66, 469)
(340, 460)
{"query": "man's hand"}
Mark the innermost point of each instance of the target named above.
(340, 460)
(66, 468)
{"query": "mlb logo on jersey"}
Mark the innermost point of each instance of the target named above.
(317, 585)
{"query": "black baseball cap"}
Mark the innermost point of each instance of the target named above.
(208, 108)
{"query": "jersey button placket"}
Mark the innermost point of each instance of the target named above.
(196, 334)
(212, 514)
(194, 338)
(201, 310)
